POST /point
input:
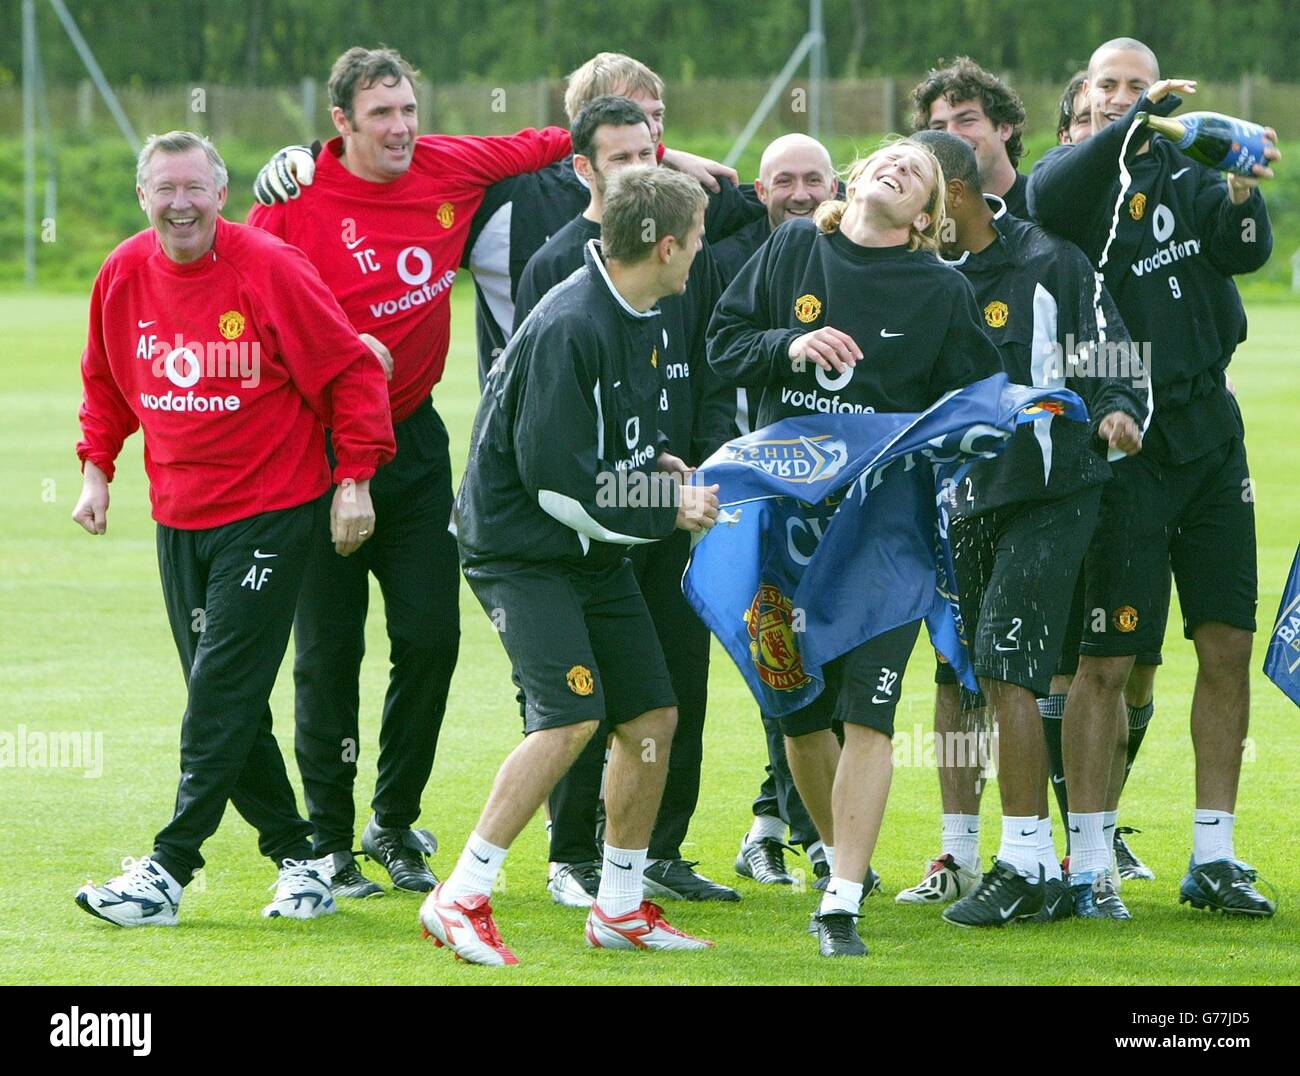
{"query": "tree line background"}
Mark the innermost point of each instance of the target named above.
(251, 74)
(269, 42)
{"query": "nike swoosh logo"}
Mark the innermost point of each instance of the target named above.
(969, 830)
(481, 859)
(622, 866)
(1073, 829)
(1029, 832)
(886, 335)
(1007, 913)
(1058, 780)
(1214, 886)
(262, 556)
(1180, 172)
(145, 324)
(1214, 823)
(879, 701)
(353, 246)
(1005, 649)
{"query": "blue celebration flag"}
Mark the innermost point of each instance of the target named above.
(833, 530)
(1282, 661)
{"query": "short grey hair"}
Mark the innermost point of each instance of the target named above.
(174, 142)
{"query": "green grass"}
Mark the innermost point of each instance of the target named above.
(84, 646)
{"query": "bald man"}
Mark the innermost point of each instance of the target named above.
(795, 176)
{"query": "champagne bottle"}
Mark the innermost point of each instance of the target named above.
(1228, 144)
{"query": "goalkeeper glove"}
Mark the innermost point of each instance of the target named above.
(285, 174)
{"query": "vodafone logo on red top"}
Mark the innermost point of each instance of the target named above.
(414, 268)
(182, 367)
(185, 363)
(414, 265)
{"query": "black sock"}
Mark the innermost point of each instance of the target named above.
(1138, 719)
(1052, 708)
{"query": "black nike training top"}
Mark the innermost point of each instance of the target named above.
(699, 411)
(1036, 296)
(569, 413)
(914, 318)
(1179, 241)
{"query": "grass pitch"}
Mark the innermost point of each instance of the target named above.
(85, 649)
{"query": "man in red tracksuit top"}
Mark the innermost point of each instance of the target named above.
(223, 344)
(385, 222)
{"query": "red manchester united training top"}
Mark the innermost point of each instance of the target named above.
(232, 364)
(389, 251)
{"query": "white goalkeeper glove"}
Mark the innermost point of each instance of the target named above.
(285, 174)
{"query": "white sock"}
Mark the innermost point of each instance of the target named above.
(1108, 820)
(621, 880)
(829, 853)
(1089, 847)
(1047, 851)
(841, 896)
(1212, 836)
(766, 827)
(1019, 846)
(961, 839)
(476, 871)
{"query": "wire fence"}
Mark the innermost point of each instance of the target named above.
(277, 115)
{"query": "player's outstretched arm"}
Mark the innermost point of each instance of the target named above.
(488, 159)
(1233, 220)
(707, 172)
(1072, 181)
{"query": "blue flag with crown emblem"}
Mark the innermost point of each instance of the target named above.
(1282, 660)
(832, 530)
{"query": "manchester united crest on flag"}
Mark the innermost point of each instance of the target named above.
(771, 622)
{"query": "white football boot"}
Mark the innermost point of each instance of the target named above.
(644, 928)
(945, 880)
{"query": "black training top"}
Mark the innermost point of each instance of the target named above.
(699, 411)
(569, 413)
(914, 318)
(1037, 296)
(1179, 240)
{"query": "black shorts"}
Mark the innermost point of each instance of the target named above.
(1069, 663)
(862, 687)
(1016, 570)
(1196, 519)
(581, 642)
